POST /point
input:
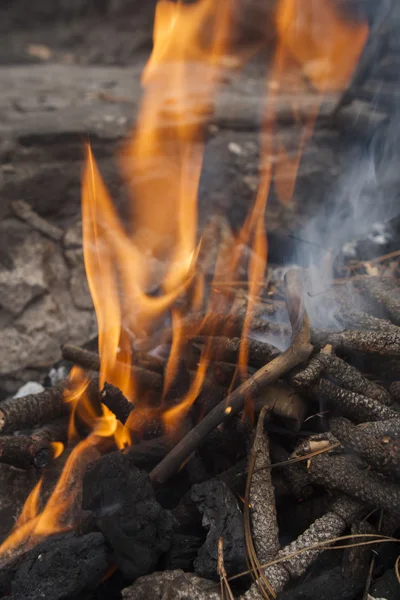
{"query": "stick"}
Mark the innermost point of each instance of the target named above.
(23, 451)
(147, 374)
(339, 473)
(352, 405)
(114, 399)
(227, 350)
(327, 527)
(381, 452)
(34, 409)
(299, 350)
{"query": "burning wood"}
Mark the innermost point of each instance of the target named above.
(154, 471)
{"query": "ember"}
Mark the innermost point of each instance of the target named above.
(234, 413)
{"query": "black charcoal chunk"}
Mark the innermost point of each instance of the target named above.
(223, 518)
(386, 587)
(122, 500)
(330, 585)
(61, 568)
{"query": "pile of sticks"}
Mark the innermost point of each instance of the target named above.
(331, 396)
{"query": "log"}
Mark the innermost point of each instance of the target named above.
(34, 409)
(35, 449)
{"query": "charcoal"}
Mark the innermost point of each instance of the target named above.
(61, 568)
(386, 587)
(330, 585)
(122, 500)
(172, 585)
(223, 518)
(183, 552)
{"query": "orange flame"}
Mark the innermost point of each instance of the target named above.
(138, 268)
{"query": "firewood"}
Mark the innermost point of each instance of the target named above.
(340, 473)
(261, 497)
(395, 391)
(227, 349)
(382, 343)
(352, 405)
(34, 409)
(380, 428)
(23, 451)
(381, 452)
(284, 403)
(340, 373)
(383, 294)
(221, 324)
(298, 352)
(147, 374)
(114, 399)
(330, 526)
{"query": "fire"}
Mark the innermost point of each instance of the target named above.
(139, 268)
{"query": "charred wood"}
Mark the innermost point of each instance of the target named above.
(383, 294)
(123, 502)
(24, 451)
(60, 567)
(340, 373)
(352, 405)
(381, 452)
(380, 343)
(227, 349)
(114, 399)
(298, 352)
(284, 403)
(340, 473)
(147, 374)
(223, 518)
(381, 428)
(331, 525)
(34, 409)
(261, 496)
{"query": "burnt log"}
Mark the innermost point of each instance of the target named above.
(381, 343)
(123, 503)
(261, 497)
(352, 405)
(340, 373)
(227, 349)
(340, 473)
(35, 449)
(114, 399)
(223, 518)
(383, 295)
(34, 409)
(91, 360)
(380, 452)
(329, 526)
